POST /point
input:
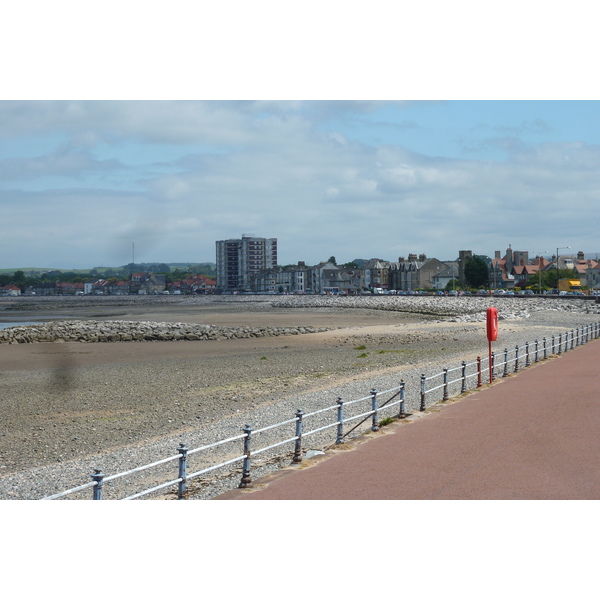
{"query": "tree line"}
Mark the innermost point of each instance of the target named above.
(24, 280)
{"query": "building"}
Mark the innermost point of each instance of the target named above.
(515, 269)
(416, 272)
(238, 260)
(285, 280)
(147, 283)
(10, 290)
(375, 274)
(445, 276)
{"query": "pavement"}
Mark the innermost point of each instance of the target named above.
(530, 436)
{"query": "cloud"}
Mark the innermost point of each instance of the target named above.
(278, 170)
(65, 161)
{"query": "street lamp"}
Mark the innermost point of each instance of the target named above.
(562, 248)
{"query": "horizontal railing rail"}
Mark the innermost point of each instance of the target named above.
(355, 412)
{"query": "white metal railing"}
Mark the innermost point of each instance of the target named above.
(348, 412)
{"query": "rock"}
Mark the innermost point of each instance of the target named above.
(116, 331)
(313, 453)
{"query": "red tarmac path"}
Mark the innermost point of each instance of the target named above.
(533, 435)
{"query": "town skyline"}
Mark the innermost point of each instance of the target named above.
(340, 260)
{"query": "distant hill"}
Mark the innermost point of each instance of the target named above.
(206, 268)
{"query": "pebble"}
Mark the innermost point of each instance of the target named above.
(524, 320)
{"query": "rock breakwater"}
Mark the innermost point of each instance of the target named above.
(445, 308)
(138, 331)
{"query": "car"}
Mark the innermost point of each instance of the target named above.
(527, 292)
(500, 293)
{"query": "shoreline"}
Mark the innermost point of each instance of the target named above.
(73, 403)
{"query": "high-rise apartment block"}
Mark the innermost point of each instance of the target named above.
(239, 260)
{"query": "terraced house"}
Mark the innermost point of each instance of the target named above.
(415, 272)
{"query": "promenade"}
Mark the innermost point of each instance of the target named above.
(531, 436)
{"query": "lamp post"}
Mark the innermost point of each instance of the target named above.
(561, 248)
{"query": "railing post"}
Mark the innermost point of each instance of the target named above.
(422, 407)
(463, 385)
(516, 359)
(375, 425)
(445, 395)
(505, 374)
(246, 478)
(478, 371)
(545, 349)
(552, 351)
(298, 444)
(182, 470)
(402, 413)
(98, 477)
(527, 354)
(560, 343)
(340, 418)
(572, 339)
(537, 348)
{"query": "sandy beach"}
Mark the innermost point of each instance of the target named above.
(62, 401)
(65, 400)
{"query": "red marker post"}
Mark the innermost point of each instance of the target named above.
(492, 332)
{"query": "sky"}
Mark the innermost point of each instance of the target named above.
(99, 176)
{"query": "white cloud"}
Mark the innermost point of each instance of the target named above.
(276, 169)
